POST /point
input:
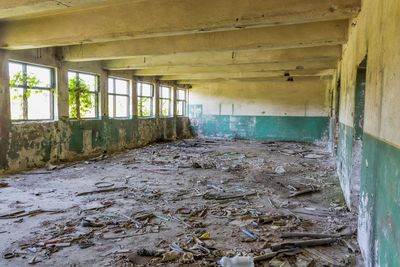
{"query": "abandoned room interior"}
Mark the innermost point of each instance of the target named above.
(200, 133)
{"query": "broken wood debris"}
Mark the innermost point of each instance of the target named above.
(302, 243)
(105, 190)
(23, 213)
(191, 221)
(227, 196)
(311, 235)
(304, 192)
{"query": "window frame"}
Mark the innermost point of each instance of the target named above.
(96, 93)
(170, 101)
(184, 101)
(114, 97)
(25, 88)
(139, 87)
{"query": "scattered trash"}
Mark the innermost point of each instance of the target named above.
(237, 261)
(280, 170)
(191, 203)
(313, 156)
(170, 256)
(248, 233)
(204, 236)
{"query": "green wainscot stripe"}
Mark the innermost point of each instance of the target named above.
(345, 159)
(381, 183)
(264, 128)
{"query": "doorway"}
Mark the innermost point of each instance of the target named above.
(359, 110)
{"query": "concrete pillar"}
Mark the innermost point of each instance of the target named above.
(134, 100)
(62, 93)
(103, 95)
(157, 86)
(174, 108)
(5, 116)
(174, 98)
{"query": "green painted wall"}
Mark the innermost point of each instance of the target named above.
(359, 105)
(380, 201)
(345, 160)
(35, 144)
(268, 128)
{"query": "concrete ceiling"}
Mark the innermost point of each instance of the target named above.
(187, 40)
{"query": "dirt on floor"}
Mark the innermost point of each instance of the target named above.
(186, 203)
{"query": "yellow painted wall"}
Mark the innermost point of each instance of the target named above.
(375, 33)
(302, 98)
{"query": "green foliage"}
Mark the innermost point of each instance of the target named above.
(79, 98)
(165, 107)
(21, 79)
(144, 107)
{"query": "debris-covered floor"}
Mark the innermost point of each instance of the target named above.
(187, 203)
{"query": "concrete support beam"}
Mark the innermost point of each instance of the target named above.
(194, 59)
(62, 92)
(22, 8)
(182, 70)
(237, 75)
(288, 36)
(134, 100)
(5, 117)
(174, 98)
(135, 19)
(265, 81)
(157, 86)
(103, 96)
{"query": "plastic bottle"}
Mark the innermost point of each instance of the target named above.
(237, 261)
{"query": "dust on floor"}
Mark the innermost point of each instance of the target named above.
(186, 203)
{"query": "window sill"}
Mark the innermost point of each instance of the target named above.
(84, 119)
(18, 122)
(119, 118)
(146, 118)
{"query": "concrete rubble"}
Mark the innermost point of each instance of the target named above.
(185, 203)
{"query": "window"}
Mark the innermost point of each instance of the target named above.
(181, 102)
(165, 101)
(145, 93)
(83, 95)
(31, 92)
(118, 98)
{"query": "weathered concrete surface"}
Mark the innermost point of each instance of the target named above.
(22, 8)
(160, 180)
(135, 19)
(230, 58)
(373, 34)
(292, 111)
(286, 36)
(35, 144)
(4, 109)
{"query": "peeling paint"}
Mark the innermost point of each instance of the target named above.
(34, 144)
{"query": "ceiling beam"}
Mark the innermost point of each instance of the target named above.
(288, 66)
(266, 81)
(322, 53)
(288, 36)
(154, 18)
(22, 8)
(253, 74)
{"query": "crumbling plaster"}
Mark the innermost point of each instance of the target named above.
(33, 144)
(374, 34)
